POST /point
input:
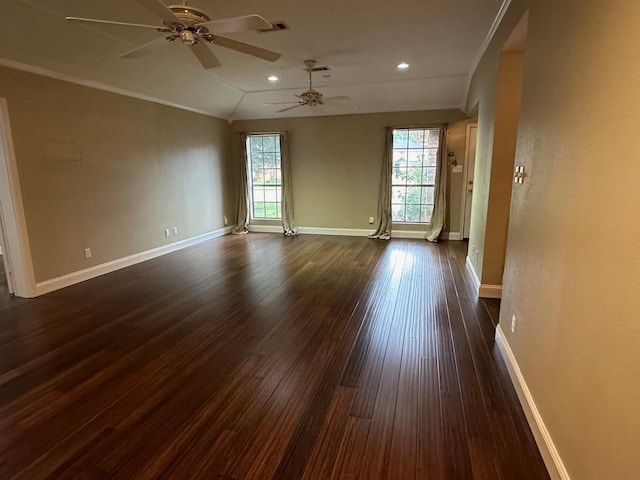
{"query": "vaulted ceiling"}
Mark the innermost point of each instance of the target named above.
(361, 41)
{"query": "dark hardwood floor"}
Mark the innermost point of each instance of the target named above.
(264, 357)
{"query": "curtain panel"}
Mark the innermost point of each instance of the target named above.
(383, 232)
(288, 224)
(242, 212)
(435, 227)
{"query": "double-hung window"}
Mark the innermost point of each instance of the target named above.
(263, 155)
(413, 179)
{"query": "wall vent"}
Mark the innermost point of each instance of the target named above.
(275, 27)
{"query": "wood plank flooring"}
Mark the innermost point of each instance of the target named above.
(259, 357)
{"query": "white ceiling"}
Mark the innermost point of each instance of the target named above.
(360, 40)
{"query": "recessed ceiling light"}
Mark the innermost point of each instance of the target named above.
(402, 66)
(273, 78)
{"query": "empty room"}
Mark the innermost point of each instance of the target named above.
(336, 240)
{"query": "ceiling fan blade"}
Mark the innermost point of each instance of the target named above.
(338, 99)
(247, 48)
(205, 56)
(160, 9)
(278, 103)
(143, 49)
(110, 22)
(237, 24)
(290, 108)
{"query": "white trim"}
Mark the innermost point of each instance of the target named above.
(550, 454)
(17, 250)
(407, 234)
(465, 174)
(349, 232)
(474, 275)
(485, 45)
(97, 85)
(266, 229)
(489, 291)
(108, 267)
(451, 236)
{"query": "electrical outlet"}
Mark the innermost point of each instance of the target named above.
(370, 219)
(87, 253)
(175, 230)
(167, 232)
(514, 324)
(226, 221)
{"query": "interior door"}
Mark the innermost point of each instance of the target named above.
(470, 161)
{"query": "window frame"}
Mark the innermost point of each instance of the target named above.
(424, 166)
(278, 170)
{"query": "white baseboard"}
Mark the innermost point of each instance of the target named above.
(349, 232)
(108, 267)
(474, 275)
(550, 454)
(490, 291)
(266, 229)
(451, 236)
(483, 290)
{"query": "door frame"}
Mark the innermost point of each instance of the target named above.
(18, 253)
(467, 151)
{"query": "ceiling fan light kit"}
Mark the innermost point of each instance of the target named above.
(311, 97)
(194, 28)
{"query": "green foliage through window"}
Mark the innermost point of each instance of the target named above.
(263, 154)
(413, 178)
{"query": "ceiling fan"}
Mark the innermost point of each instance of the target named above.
(310, 97)
(194, 28)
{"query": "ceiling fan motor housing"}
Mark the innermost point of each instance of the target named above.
(189, 15)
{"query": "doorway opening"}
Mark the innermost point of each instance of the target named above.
(17, 270)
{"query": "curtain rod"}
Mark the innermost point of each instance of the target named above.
(431, 125)
(262, 133)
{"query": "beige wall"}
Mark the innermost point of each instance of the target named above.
(109, 172)
(336, 162)
(573, 252)
(510, 73)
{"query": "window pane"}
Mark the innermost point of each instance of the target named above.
(258, 210)
(258, 194)
(414, 195)
(434, 138)
(398, 194)
(397, 213)
(427, 195)
(257, 159)
(257, 176)
(413, 213)
(400, 138)
(255, 143)
(417, 138)
(431, 157)
(271, 210)
(425, 213)
(429, 175)
(269, 160)
(271, 176)
(278, 210)
(414, 175)
(277, 159)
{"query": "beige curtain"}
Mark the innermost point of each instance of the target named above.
(288, 224)
(383, 231)
(242, 214)
(434, 229)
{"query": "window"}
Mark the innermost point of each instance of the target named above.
(413, 178)
(263, 154)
